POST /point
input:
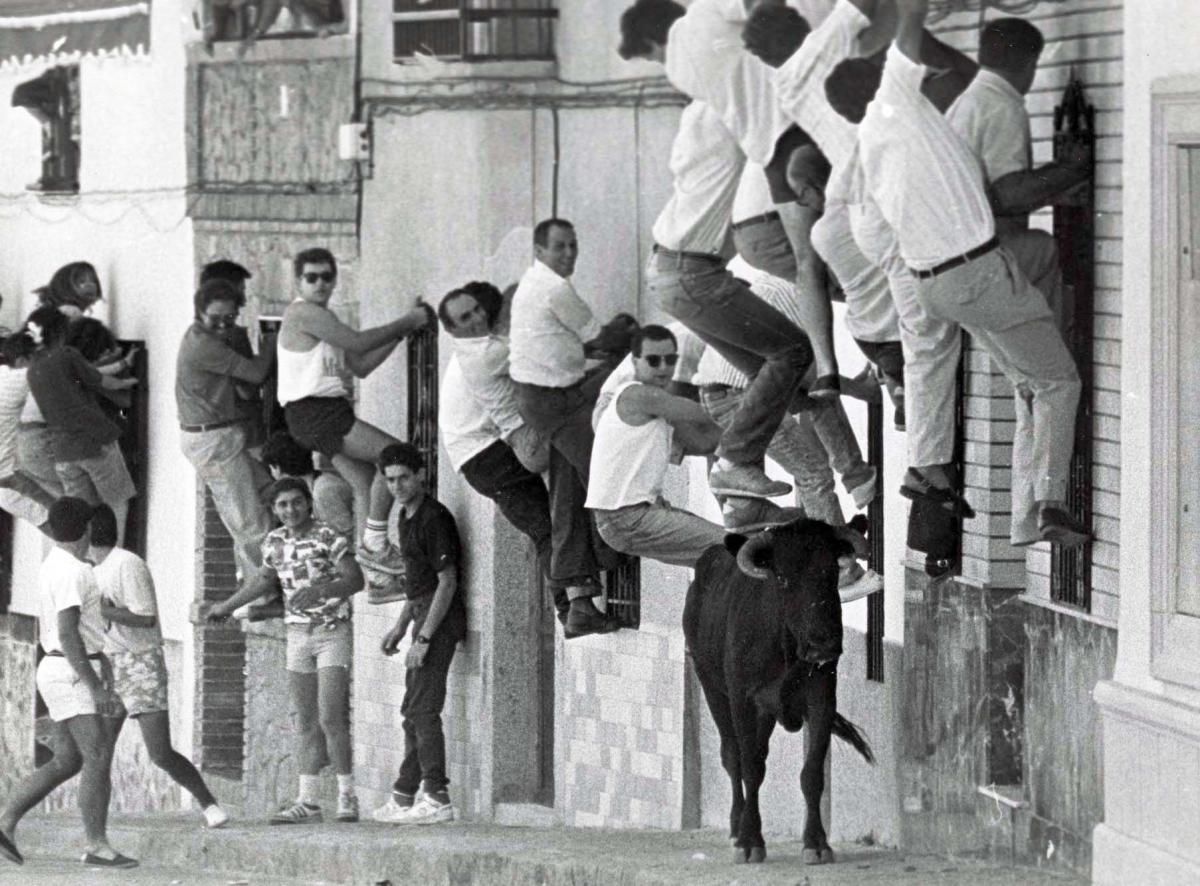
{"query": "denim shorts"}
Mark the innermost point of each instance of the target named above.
(311, 647)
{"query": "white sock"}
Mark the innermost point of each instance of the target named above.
(310, 789)
(346, 783)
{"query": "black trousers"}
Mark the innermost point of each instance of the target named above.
(496, 473)
(424, 695)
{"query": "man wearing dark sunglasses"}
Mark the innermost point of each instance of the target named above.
(642, 430)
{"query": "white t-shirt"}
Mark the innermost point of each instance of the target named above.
(465, 428)
(124, 579)
(483, 362)
(63, 582)
(991, 116)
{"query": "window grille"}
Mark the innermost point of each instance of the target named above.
(134, 445)
(6, 567)
(623, 591)
(53, 100)
(474, 30)
(1074, 229)
(423, 400)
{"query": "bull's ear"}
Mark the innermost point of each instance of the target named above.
(734, 542)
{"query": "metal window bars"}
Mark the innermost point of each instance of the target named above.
(423, 400)
(474, 30)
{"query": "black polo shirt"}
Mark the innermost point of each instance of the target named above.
(429, 542)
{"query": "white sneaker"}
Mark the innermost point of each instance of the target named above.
(392, 812)
(427, 810)
(868, 583)
(215, 816)
(347, 808)
(864, 493)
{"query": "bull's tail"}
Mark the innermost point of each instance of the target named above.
(849, 733)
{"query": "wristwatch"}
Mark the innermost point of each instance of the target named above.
(422, 639)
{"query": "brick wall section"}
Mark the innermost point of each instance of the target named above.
(18, 656)
(220, 651)
(1084, 35)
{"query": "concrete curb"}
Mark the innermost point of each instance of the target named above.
(465, 853)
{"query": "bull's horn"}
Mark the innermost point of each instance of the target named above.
(745, 557)
(854, 539)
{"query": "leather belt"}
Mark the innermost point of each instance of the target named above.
(756, 220)
(32, 424)
(694, 256)
(950, 263)
(715, 388)
(212, 426)
(94, 656)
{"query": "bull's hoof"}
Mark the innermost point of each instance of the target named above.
(823, 855)
(758, 855)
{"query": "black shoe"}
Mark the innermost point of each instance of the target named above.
(580, 624)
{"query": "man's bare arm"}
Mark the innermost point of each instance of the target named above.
(1023, 191)
(910, 28)
(321, 323)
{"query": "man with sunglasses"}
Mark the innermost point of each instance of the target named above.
(214, 434)
(641, 431)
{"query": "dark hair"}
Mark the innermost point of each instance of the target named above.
(1009, 44)
(647, 22)
(316, 255)
(216, 290)
(18, 346)
(541, 231)
(851, 86)
(68, 519)
(104, 526)
(288, 484)
(774, 33)
(61, 290)
(53, 323)
(487, 295)
(404, 454)
(650, 332)
(90, 337)
(283, 451)
(224, 269)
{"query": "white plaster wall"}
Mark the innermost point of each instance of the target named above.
(1156, 46)
(130, 221)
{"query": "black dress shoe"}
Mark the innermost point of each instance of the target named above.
(580, 624)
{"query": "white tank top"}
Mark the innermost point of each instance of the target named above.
(628, 461)
(319, 372)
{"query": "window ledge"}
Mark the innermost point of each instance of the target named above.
(433, 70)
(273, 49)
(1070, 611)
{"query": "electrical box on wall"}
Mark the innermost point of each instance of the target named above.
(354, 142)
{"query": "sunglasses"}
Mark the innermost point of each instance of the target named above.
(228, 319)
(311, 277)
(657, 360)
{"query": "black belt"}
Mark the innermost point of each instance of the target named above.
(715, 389)
(695, 256)
(95, 656)
(32, 424)
(949, 263)
(756, 220)
(196, 429)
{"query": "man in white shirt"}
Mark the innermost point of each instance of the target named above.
(925, 182)
(642, 430)
(20, 494)
(486, 438)
(71, 633)
(991, 116)
(687, 275)
(700, 49)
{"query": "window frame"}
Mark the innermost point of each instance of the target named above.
(465, 14)
(1175, 635)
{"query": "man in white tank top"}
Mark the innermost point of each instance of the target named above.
(640, 432)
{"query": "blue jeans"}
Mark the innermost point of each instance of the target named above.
(757, 339)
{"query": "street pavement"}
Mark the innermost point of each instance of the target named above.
(462, 853)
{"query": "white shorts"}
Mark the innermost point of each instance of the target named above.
(66, 696)
(25, 508)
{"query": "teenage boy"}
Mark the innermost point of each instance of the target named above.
(405, 516)
(309, 560)
(71, 634)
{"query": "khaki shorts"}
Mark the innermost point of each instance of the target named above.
(312, 647)
(66, 696)
(101, 478)
(140, 678)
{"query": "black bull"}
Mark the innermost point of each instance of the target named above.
(765, 633)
